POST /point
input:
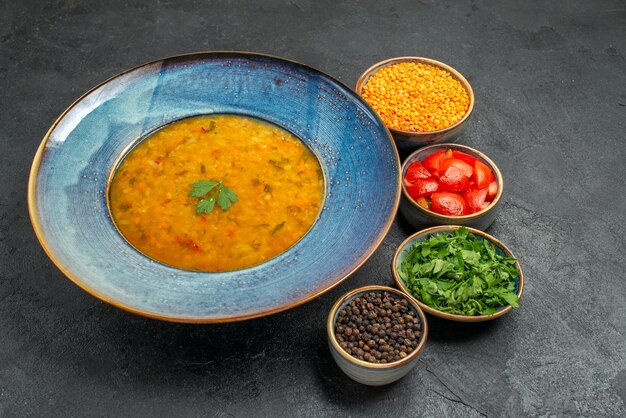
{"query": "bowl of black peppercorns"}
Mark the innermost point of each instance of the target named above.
(376, 334)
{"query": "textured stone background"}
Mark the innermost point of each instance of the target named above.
(550, 85)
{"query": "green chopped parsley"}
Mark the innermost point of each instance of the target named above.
(459, 273)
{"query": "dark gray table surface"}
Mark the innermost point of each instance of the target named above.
(550, 85)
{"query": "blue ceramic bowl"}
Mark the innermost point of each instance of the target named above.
(501, 249)
(68, 202)
(363, 371)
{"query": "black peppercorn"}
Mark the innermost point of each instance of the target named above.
(378, 327)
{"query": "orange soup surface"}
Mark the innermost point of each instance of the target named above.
(278, 184)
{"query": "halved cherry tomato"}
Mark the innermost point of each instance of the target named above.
(482, 175)
(453, 180)
(451, 183)
(493, 190)
(416, 171)
(464, 157)
(476, 199)
(455, 162)
(448, 204)
(433, 161)
(422, 187)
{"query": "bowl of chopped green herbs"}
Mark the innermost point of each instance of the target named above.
(459, 273)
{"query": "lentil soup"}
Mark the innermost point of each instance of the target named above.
(278, 184)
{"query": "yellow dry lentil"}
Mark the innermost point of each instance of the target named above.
(417, 97)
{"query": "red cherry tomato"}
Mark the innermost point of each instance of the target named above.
(464, 157)
(482, 175)
(448, 203)
(493, 190)
(433, 161)
(422, 187)
(416, 171)
(460, 164)
(453, 180)
(476, 199)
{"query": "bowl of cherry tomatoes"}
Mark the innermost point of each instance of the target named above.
(450, 184)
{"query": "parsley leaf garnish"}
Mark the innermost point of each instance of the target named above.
(459, 273)
(211, 191)
(202, 187)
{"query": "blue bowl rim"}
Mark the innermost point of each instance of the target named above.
(34, 217)
(455, 317)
